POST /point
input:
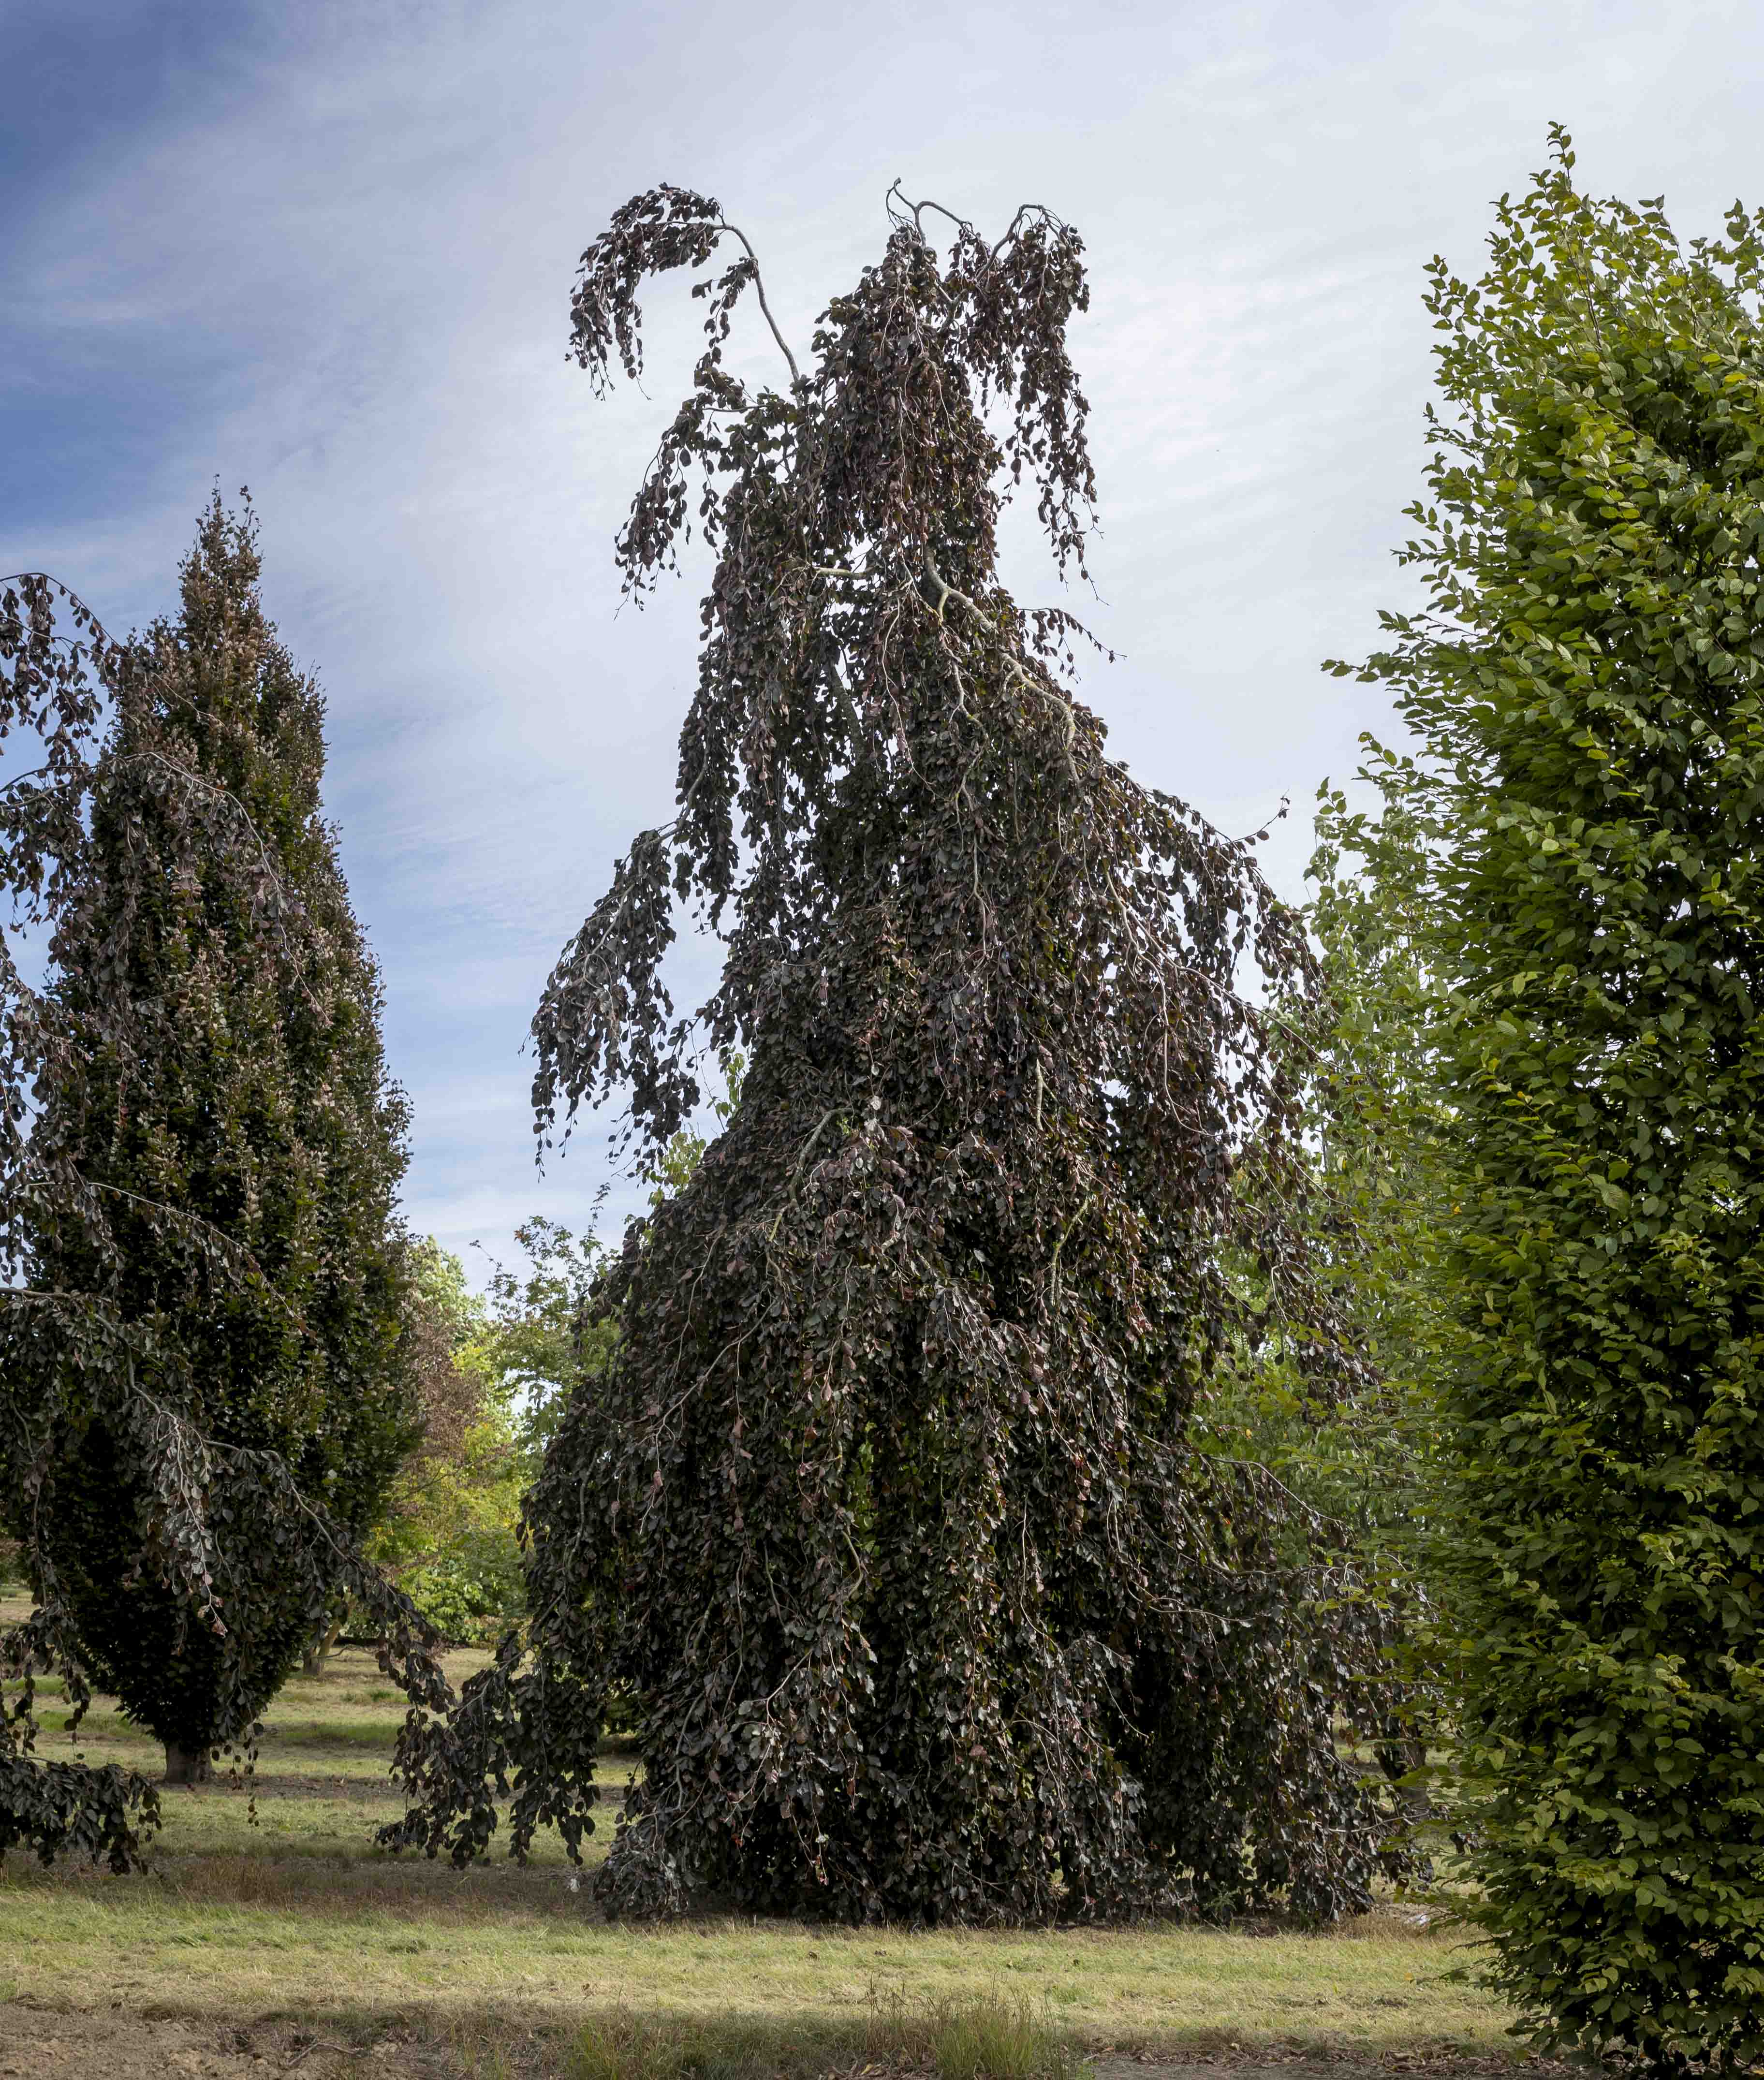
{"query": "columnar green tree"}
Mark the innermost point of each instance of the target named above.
(207, 1188)
(890, 1510)
(1587, 685)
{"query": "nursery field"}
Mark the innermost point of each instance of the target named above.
(282, 1940)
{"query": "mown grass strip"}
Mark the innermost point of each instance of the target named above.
(295, 1914)
(466, 1946)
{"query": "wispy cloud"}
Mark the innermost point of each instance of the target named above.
(326, 250)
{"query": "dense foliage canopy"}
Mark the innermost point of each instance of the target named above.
(895, 1509)
(204, 1381)
(1587, 686)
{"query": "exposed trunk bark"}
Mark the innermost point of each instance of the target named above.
(187, 1765)
(1402, 1755)
(318, 1647)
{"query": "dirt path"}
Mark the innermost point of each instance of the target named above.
(116, 2044)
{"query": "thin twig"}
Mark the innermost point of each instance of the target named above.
(759, 287)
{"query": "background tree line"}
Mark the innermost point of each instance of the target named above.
(498, 1368)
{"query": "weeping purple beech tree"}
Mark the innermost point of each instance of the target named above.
(896, 1512)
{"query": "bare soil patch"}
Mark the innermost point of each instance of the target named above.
(118, 2044)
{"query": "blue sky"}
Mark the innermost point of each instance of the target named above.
(325, 249)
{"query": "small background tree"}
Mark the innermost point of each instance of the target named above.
(542, 1339)
(894, 1509)
(1376, 1459)
(1587, 689)
(207, 1188)
(448, 1538)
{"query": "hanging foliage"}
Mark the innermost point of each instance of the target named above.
(896, 1510)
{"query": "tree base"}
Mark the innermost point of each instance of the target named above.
(317, 1649)
(187, 1765)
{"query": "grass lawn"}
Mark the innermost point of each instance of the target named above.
(293, 1921)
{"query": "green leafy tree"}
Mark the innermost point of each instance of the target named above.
(671, 1172)
(452, 1539)
(889, 1510)
(542, 1338)
(248, 1099)
(449, 1537)
(449, 1397)
(1374, 1458)
(1374, 1123)
(1587, 688)
(496, 1373)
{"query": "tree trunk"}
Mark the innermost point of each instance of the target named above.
(318, 1647)
(187, 1765)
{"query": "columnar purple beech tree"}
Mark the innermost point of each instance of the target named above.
(201, 1389)
(254, 1096)
(896, 1510)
